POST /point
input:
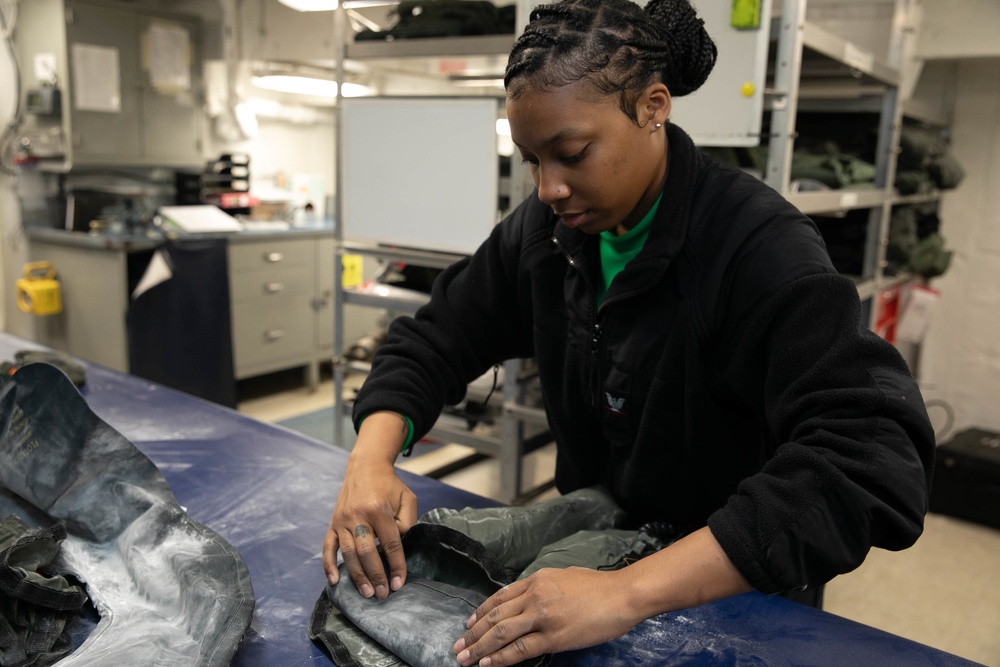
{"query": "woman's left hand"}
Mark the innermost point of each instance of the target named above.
(558, 610)
(552, 610)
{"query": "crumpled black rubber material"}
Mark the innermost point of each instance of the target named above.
(36, 603)
(168, 589)
(455, 560)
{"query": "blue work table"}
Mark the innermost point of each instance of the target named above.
(269, 491)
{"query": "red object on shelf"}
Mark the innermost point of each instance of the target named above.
(229, 200)
(887, 312)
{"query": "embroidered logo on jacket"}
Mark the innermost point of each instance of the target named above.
(615, 406)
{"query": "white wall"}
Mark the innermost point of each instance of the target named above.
(286, 148)
(959, 29)
(961, 355)
(12, 247)
(283, 148)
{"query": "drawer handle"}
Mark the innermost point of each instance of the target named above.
(272, 288)
(274, 334)
(273, 257)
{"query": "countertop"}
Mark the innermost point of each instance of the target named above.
(130, 241)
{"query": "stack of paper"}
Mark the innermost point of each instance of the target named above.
(199, 219)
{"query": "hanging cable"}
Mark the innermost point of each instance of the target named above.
(949, 413)
(496, 375)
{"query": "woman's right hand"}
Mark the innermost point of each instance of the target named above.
(374, 507)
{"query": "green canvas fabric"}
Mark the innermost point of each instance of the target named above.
(902, 235)
(930, 258)
(832, 167)
(946, 172)
(918, 147)
(913, 182)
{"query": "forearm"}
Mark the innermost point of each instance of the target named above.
(558, 609)
(380, 439)
(373, 505)
(692, 571)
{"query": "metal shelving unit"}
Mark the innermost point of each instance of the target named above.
(507, 441)
(850, 79)
(508, 444)
(815, 68)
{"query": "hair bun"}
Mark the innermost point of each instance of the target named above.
(692, 51)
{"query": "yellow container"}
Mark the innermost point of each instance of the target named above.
(38, 292)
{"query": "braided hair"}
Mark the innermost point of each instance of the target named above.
(617, 46)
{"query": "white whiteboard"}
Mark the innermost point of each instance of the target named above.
(420, 172)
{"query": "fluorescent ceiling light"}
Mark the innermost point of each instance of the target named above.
(310, 5)
(304, 85)
(477, 82)
(290, 112)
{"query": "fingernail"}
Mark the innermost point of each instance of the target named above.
(459, 645)
(332, 579)
(472, 621)
(366, 591)
(463, 656)
(485, 662)
(396, 583)
(380, 592)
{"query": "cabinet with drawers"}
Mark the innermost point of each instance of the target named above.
(272, 289)
(280, 298)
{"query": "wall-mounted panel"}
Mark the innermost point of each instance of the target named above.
(727, 110)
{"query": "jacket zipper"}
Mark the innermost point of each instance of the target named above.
(595, 333)
(595, 339)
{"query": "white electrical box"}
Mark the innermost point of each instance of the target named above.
(727, 110)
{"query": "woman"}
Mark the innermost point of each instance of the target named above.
(699, 355)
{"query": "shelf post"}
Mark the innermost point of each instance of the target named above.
(787, 72)
(887, 150)
(339, 367)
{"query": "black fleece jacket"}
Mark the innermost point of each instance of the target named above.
(726, 379)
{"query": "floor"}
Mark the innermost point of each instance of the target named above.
(943, 592)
